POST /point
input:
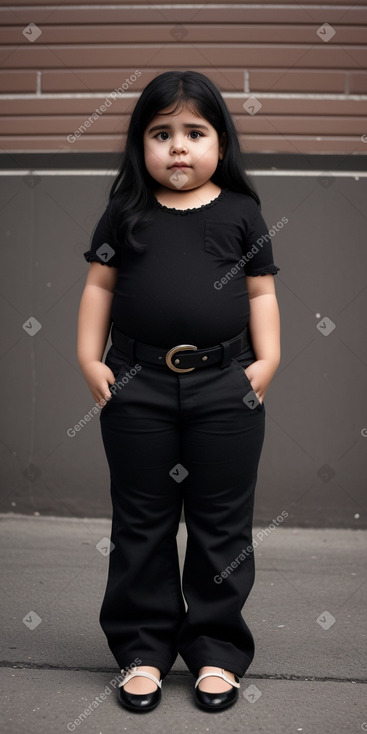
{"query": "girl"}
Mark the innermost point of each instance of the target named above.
(175, 261)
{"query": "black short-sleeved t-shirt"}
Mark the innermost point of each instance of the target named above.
(189, 286)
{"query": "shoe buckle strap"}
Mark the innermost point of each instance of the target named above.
(140, 672)
(219, 675)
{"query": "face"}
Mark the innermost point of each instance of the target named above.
(184, 137)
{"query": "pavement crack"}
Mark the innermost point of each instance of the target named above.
(20, 664)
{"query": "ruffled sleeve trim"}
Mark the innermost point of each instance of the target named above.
(268, 270)
(91, 257)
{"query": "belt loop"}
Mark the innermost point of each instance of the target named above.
(226, 356)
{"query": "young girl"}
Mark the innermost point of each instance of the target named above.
(175, 261)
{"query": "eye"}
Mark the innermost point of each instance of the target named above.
(195, 132)
(158, 134)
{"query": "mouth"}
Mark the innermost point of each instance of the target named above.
(180, 165)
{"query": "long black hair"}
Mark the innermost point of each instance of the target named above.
(131, 195)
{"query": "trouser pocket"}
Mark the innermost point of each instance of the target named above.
(250, 398)
(123, 369)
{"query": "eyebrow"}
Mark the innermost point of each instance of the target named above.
(168, 127)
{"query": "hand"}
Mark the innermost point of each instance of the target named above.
(260, 374)
(99, 377)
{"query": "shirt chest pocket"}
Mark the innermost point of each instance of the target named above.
(223, 240)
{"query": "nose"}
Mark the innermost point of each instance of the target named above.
(178, 146)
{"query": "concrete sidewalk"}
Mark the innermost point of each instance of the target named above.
(307, 612)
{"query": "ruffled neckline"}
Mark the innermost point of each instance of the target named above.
(172, 209)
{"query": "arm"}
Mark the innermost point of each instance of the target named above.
(264, 325)
(93, 328)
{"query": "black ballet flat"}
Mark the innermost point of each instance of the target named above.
(140, 702)
(217, 701)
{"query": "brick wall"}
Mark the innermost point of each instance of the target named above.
(305, 64)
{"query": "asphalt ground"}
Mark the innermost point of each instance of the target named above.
(307, 612)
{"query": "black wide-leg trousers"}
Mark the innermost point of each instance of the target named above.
(174, 439)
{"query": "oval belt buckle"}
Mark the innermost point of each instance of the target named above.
(180, 348)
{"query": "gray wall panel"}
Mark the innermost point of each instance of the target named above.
(314, 458)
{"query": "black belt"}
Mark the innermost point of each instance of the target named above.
(183, 357)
